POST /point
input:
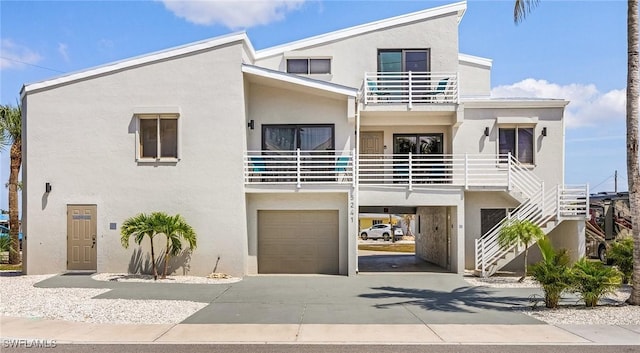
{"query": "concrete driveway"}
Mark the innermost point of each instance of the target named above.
(403, 298)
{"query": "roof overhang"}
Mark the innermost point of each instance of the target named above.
(465, 58)
(514, 103)
(284, 80)
(143, 60)
(459, 8)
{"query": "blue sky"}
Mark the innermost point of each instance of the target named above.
(574, 50)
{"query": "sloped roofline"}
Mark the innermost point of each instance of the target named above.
(141, 60)
(459, 7)
(299, 80)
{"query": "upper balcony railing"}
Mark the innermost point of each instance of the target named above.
(299, 168)
(394, 170)
(410, 88)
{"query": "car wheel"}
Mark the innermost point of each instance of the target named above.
(363, 236)
(602, 254)
(386, 236)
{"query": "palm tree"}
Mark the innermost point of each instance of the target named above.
(140, 226)
(11, 134)
(633, 170)
(175, 228)
(521, 9)
(552, 272)
(520, 233)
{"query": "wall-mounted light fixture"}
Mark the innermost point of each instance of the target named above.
(544, 131)
(251, 124)
(486, 131)
(47, 187)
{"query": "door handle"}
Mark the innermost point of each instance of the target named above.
(94, 242)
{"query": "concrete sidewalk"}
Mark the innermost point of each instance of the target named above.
(415, 308)
(76, 332)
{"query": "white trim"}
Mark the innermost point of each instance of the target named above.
(503, 120)
(459, 7)
(299, 80)
(141, 60)
(156, 110)
(513, 103)
(475, 60)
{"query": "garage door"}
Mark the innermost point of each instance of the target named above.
(298, 242)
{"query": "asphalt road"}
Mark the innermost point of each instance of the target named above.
(293, 348)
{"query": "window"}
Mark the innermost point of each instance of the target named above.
(292, 137)
(158, 136)
(376, 222)
(518, 141)
(403, 60)
(309, 66)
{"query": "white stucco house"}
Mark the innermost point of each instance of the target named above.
(272, 154)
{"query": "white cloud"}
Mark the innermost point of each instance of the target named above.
(232, 14)
(587, 107)
(15, 56)
(63, 49)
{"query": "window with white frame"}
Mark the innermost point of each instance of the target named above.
(519, 141)
(158, 136)
(309, 66)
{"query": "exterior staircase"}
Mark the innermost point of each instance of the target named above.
(546, 208)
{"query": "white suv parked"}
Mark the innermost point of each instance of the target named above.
(383, 231)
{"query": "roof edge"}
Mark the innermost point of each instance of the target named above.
(141, 60)
(514, 103)
(303, 81)
(459, 7)
(486, 62)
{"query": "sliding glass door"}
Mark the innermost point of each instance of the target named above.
(426, 150)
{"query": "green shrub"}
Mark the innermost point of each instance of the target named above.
(592, 280)
(621, 255)
(5, 242)
(552, 272)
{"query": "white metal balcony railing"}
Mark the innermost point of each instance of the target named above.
(299, 167)
(410, 87)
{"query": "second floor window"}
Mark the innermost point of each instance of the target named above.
(517, 140)
(309, 66)
(292, 137)
(158, 136)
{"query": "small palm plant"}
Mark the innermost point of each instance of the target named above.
(621, 254)
(520, 233)
(175, 228)
(592, 280)
(140, 226)
(553, 272)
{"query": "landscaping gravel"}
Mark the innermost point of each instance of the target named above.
(615, 312)
(19, 298)
(122, 277)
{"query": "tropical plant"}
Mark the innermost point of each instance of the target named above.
(592, 280)
(140, 226)
(5, 243)
(11, 134)
(552, 272)
(520, 233)
(621, 255)
(521, 9)
(175, 228)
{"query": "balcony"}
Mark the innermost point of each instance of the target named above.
(410, 88)
(299, 168)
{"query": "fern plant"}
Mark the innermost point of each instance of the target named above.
(592, 280)
(552, 272)
(621, 255)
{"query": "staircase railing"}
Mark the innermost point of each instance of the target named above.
(540, 207)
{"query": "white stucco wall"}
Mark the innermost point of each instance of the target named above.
(548, 150)
(474, 80)
(80, 137)
(302, 201)
(473, 203)
(353, 56)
